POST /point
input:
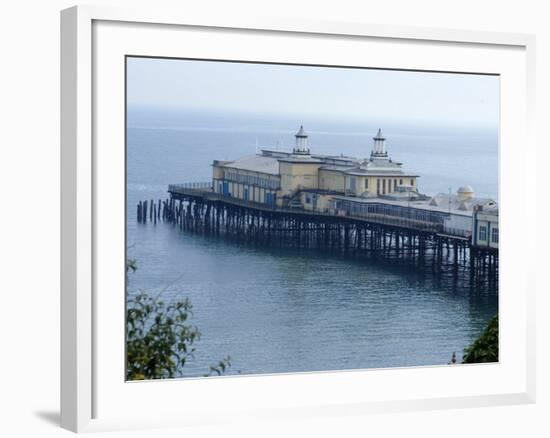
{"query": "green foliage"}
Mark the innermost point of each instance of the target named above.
(131, 265)
(484, 348)
(159, 339)
(220, 367)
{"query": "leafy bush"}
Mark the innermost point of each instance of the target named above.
(159, 339)
(484, 348)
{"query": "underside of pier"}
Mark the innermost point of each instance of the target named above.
(390, 239)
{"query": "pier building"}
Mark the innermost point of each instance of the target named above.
(485, 226)
(452, 212)
(300, 178)
(348, 186)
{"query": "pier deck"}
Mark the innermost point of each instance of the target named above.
(401, 240)
(180, 192)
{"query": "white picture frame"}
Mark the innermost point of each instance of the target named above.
(91, 397)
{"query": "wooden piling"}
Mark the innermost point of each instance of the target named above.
(443, 255)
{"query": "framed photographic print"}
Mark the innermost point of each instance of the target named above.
(275, 218)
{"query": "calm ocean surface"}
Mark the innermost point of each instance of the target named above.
(275, 310)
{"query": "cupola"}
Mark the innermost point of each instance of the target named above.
(302, 146)
(379, 147)
(465, 192)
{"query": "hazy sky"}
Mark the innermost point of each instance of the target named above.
(356, 94)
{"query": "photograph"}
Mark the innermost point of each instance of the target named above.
(291, 218)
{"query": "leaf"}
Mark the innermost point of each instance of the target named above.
(158, 339)
(484, 348)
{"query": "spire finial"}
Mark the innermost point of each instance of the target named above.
(379, 134)
(301, 132)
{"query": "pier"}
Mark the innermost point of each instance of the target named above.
(400, 240)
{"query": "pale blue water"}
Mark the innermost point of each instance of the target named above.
(276, 310)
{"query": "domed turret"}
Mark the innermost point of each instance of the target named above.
(302, 146)
(379, 147)
(465, 192)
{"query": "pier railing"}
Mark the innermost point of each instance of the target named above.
(207, 193)
(191, 185)
(210, 195)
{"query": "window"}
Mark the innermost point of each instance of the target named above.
(383, 186)
(308, 199)
(378, 186)
(494, 235)
(366, 183)
(482, 232)
(353, 184)
(412, 182)
(394, 185)
(401, 182)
